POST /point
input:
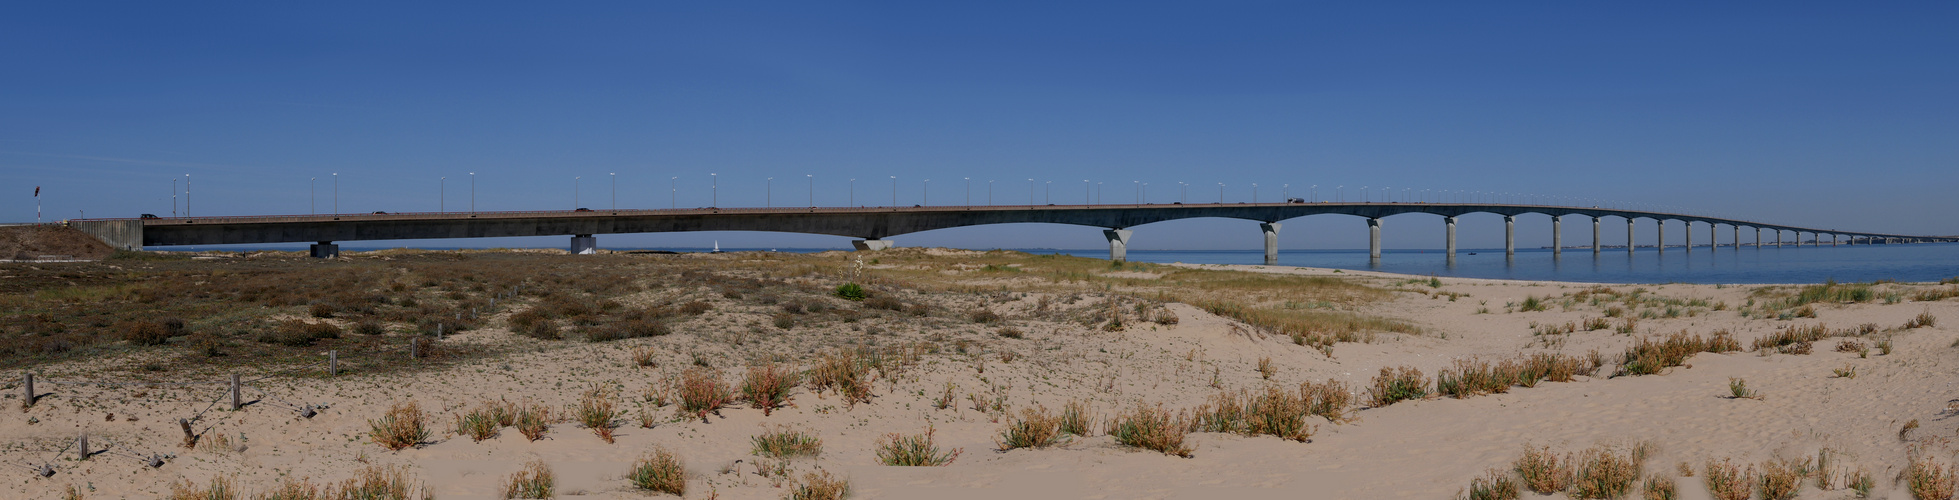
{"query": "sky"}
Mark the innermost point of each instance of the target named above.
(1818, 114)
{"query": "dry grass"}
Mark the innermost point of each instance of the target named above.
(477, 424)
(1926, 480)
(219, 489)
(1738, 389)
(1780, 479)
(1650, 357)
(533, 421)
(659, 471)
(1543, 471)
(535, 480)
(1395, 385)
(1151, 428)
(1034, 428)
(917, 450)
(1659, 487)
(701, 392)
(845, 371)
(403, 426)
(820, 486)
(1726, 481)
(1603, 472)
(784, 442)
(379, 483)
(767, 386)
(598, 411)
(1077, 418)
(1495, 484)
(1330, 400)
(1923, 320)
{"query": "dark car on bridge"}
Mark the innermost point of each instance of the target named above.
(150, 216)
(583, 210)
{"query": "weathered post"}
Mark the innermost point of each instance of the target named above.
(190, 438)
(83, 453)
(28, 380)
(333, 363)
(414, 343)
(438, 331)
(237, 401)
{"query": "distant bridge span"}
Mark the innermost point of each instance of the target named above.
(874, 224)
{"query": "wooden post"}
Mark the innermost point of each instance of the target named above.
(413, 344)
(236, 401)
(438, 331)
(333, 363)
(190, 439)
(84, 447)
(28, 380)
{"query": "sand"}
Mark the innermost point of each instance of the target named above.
(1421, 449)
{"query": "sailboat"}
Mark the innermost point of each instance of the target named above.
(717, 246)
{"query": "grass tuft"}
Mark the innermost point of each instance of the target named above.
(1395, 385)
(598, 411)
(219, 489)
(1726, 481)
(1543, 471)
(659, 471)
(535, 480)
(1495, 484)
(1151, 428)
(1035, 428)
(701, 392)
(917, 450)
(767, 386)
(1602, 473)
(784, 442)
(403, 426)
(820, 486)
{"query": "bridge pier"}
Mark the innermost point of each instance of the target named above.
(1509, 235)
(1713, 237)
(1737, 235)
(1629, 235)
(1758, 238)
(325, 250)
(1595, 246)
(1451, 223)
(1833, 239)
(1660, 235)
(1688, 231)
(1557, 237)
(870, 245)
(1778, 238)
(584, 244)
(1118, 243)
(1373, 239)
(1271, 230)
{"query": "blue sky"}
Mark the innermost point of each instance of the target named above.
(1817, 114)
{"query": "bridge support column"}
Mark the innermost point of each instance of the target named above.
(1374, 239)
(1595, 246)
(1450, 223)
(1509, 235)
(1833, 239)
(1778, 238)
(584, 244)
(1758, 238)
(1271, 230)
(870, 245)
(1713, 237)
(1629, 235)
(1737, 235)
(1557, 236)
(1660, 235)
(1688, 231)
(325, 250)
(1118, 243)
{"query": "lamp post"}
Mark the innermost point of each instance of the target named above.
(1340, 193)
(187, 194)
(442, 195)
(989, 193)
(673, 192)
(173, 194)
(853, 192)
(894, 191)
(926, 193)
(1047, 191)
(312, 198)
(472, 192)
(768, 192)
(812, 189)
(1085, 197)
(1285, 193)
(1220, 193)
(1254, 193)
(969, 191)
(1316, 193)
(336, 194)
(574, 191)
(1363, 194)
(615, 189)
(714, 190)
(1030, 192)
(1183, 192)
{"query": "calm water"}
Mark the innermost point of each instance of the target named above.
(1919, 262)
(1790, 264)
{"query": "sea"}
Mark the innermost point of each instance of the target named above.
(1645, 265)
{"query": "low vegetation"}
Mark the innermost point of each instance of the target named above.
(1151, 428)
(535, 480)
(404, 425)
(915, 450)
(659, 471)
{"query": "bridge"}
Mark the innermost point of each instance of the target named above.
(873, 225)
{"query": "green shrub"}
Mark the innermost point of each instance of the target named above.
(851, 291)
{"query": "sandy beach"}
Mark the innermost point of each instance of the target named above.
(1853, 401)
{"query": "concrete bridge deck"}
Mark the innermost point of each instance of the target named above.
(871, 224)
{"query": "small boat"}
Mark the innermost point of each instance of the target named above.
(717, 246)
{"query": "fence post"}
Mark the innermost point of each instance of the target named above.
(236, 402)
(190, 439)
(28, 379)
(84, 443)
(333, 363)
(414, 343)
(438, 331)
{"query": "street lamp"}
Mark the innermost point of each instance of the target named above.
(442, 195)
(926, 193)
(186, 196)
(1047, 190)
(1085, 198)
(574, 192)
(1315, 190)
(768, 192)
(812, 189)
(989, 193)
(673, 192)
(336, 193)
(1220, 193)
(312, 199)
(1254, 193)
(853, 192)
(969, 191)
(714, 190)
(615, 189)
(894, 191)
(1030, 192)
(472, 192)
(1183, 192)
(1363, 194)
(1285, 193)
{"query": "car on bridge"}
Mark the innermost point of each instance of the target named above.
(150, 216)
(582, 210)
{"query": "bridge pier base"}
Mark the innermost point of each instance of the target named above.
(1758, 238)
(1509, 235)
(325, 250)
(1629, 235)
(1450, 223)
(1374, 239)
(1119, 243)
(1778, 238)
(1713, 236)
(870, 245)
(1660, 235)
(1687, 230)
(1271, 230)
(584, 244)
(1737, 236)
